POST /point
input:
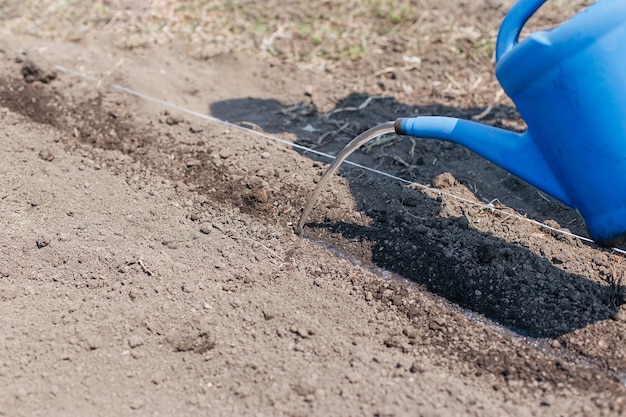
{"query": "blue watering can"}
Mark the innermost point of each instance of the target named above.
(569, 85)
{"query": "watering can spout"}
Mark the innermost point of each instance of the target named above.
(517, 153)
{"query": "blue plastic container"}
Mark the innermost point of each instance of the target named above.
(569, 85)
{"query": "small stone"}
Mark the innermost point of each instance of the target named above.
(304, 388)
(158, 378)
(333, 215)
(42, 242)
(95, 341)
(137, 403)
(187, 340)
(137, 354)
(63, 237)
(268, 314)
(418, 368)
(261, 195)
(437, 324)
(183, 343)
(394, 341)
(396, 300)
(547, 401)
(206, 228)
(353, 377)
(266, 155)
(229, 287)
(173, 120)
(135, 341)
(46, 155)
(32, 73)
(410, 332)
(225, 153)
(170, 244)
(204, 326)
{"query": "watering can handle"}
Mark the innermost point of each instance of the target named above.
(513, 23)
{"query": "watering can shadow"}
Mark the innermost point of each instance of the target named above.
(568, 84)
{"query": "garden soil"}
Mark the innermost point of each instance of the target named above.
(149, 263)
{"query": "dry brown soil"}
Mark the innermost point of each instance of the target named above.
(149, 264)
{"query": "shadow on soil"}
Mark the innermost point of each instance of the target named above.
(413, 159)
(406, 233)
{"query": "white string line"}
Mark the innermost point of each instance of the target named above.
(325, 155)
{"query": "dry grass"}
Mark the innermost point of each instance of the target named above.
(296, 30)
(617, 290)
(445, 47)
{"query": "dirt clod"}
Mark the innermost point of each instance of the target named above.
(32, 73)
(443, 181)
(486, 253)
(188, 339)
